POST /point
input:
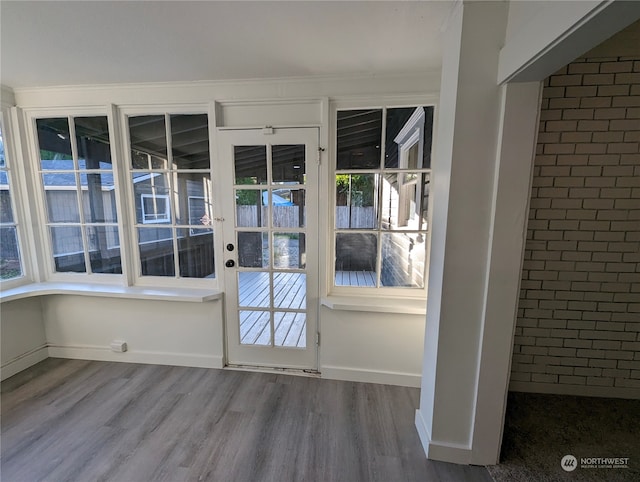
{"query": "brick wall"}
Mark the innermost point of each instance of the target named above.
(578, 328)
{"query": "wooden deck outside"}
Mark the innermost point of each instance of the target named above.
(289, 293)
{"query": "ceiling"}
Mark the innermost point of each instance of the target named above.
(103, 42)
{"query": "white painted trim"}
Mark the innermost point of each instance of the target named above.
(442, 451)
(24, 361)
(370, 376)
(104, 353)
(7, 97)
(577, 390)
(411, 306)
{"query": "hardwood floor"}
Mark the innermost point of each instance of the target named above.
(76, 420)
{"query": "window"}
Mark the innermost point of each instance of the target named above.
(10, 260)
(383, 159)
(170, 173)
(77, 179)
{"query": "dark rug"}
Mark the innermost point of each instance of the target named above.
(541, 429)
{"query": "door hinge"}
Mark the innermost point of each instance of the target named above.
(318, 338)
(320, 151)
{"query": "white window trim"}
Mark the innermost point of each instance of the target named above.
(137, 279)
(166, 215)
(394, 295)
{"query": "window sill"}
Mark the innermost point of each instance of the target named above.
(110, 291)
(410, 306)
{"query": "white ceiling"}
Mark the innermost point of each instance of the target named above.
(101, 42)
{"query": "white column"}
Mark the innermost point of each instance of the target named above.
(480, 201)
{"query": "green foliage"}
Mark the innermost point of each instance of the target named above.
(52, 155)
(246, 197)
(362, 188)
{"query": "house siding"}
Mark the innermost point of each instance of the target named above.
(579, 310)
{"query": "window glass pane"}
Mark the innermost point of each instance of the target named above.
(151, 193)
(290, 329)
(92, 140)
(98, 197)
(68, 249)
(190, 141)
(408, 127)
(404, 200)
(250, 164)
(253, 249)
(9, 254)
(251, 208)
(288, 164)
(195, 252)
(156, 251)
(61, 197)
(356, 201)
(289, 291)
(54, 141)
(6, 211)
(359, 138)
(289, 251)
(255, 327)
(148, 141)
(194, 204)
(288, 208)
(403, 257)
(104, 249)
(356, 259)
(2, 158)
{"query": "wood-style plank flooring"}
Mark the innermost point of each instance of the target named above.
(76, 420)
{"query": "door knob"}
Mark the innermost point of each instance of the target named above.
(230, 263)
(230, 247)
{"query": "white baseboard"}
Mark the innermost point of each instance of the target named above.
(578, 390)
(24, 361)
(441, 451)
(370, 376)
(101, 353)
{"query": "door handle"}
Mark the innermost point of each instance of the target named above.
(230, 247)
(230, 263)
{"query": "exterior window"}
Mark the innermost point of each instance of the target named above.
(10, 261)
(382, 187)
(76, 171)
(171, 177)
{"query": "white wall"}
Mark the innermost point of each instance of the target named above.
(162, 332)
(22, 334)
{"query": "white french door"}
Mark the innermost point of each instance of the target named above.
(270, 227)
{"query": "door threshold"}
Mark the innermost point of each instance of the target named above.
(299, 372)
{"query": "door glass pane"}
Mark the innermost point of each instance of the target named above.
(250, 164)
(288, 164)
(54, 142)
(289, 291)
(254, 289)
(359, 139)
(190, 141)
(9, 254)
(104, 249)
(290, 329)
(251, 208)
(253, 249)
(288, 208)
(403, 257)
(68, 250)
(356, 259)
(6, 210)
(61, 197)
(356, 201)
(92, 138)
(193, 202)
(255, 328)
(195, 253)
(156, 251)
(148, 138)
(289, 251)
(405, 198)
(98, 197)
